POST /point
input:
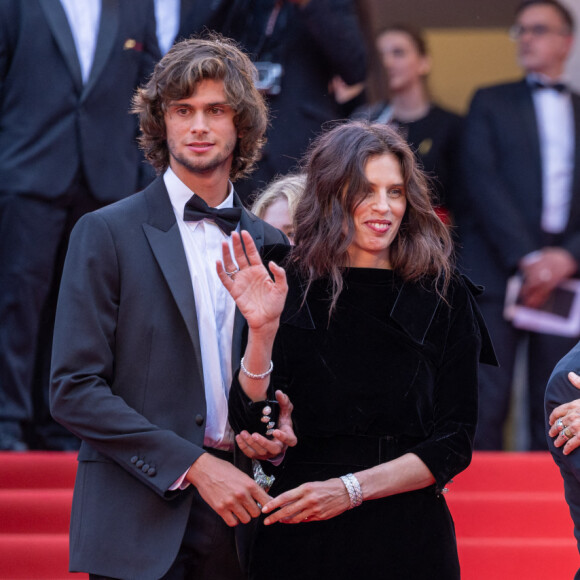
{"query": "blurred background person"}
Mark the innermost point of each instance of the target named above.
(179, 19)
(522, 209)
(299, 46)
(68, 69)
(433, 132)
(276, 204)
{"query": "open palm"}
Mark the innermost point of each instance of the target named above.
(259, 297)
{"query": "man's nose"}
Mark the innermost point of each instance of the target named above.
(198, 123)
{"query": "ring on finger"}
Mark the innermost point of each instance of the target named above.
(230, 274)
(560, 424)
(567, 433)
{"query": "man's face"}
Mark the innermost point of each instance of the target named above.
(543, 41)
(201, 134)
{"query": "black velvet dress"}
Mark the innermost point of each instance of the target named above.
(394, 371)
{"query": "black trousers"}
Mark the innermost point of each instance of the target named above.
(208, 550)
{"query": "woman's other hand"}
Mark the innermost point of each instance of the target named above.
(309, 502)
(256, 446)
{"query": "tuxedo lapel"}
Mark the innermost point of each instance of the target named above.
(60, 27)
(108, 28)
(163, 235)
(529, 123)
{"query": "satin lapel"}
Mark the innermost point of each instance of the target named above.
(255, 227)
(525, 107)
(59, 25)
(108, 28)
(164, 238)
(525, 122)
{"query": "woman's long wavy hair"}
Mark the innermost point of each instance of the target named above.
(336, 184)
(176, 76)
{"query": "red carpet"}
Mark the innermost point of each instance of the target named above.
(35, 500)
(511, 518)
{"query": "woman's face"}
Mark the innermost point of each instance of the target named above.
(402, 62)
(378, 217)
(278, 215)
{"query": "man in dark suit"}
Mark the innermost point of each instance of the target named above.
(521, 209)
(67, 146)
(311, 41)
(146, 336)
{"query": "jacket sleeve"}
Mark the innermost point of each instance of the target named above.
(447, 451)
(334, 26)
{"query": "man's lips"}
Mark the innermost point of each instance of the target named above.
(199, 147)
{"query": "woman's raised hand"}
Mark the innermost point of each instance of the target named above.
(259, 298)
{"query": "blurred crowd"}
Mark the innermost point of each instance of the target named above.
(505, 178)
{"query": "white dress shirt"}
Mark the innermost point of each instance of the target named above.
(167, 14)
(215, 309)
(555, 118)
(84, 17)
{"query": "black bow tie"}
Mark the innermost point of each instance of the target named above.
(560, 87)
(227, 219)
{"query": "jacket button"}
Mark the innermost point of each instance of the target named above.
(134, 459)
(151, 472)
(139, 463)
(145, 468)
(199, 420)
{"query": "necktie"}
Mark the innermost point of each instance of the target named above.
(226, 219)
(560, 87)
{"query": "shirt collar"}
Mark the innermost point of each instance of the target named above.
(532, 78)
(179, 193)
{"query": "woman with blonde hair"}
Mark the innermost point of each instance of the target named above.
(276, 204)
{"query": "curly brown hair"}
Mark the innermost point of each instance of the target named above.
(176, 76)
(336, 184)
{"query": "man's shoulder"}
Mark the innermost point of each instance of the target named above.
(501, 90)
(136, 207)
(258, 227)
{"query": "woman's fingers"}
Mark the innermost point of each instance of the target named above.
(251, 254)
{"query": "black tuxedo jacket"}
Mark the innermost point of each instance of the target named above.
(127, 379)
(51, 125)
(500, 213)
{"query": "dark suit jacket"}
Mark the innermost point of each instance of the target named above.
(127, 379)
(320, 41)
(500, 214)
(50, 124)
(559, 391)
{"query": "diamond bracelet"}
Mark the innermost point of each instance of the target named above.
(353, 488)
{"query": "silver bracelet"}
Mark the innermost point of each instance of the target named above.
(252, 375)
(353, 488)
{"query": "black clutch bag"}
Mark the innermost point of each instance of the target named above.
(263, 417)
